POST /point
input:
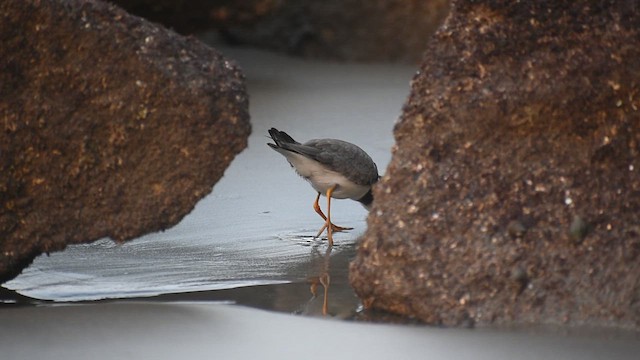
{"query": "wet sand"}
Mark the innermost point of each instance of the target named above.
(250, 243)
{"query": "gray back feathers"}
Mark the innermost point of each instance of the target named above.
(337, 155)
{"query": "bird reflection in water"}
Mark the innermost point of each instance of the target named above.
(323, 279)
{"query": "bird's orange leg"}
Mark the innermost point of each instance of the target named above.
(334, 227)
(328, 224)
(316, 207)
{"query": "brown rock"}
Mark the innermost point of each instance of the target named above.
(109, 126)
(387, 30)
(521, 110)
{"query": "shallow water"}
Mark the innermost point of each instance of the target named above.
(257, 226)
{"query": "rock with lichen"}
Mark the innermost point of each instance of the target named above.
(513, 195)
(110, 126)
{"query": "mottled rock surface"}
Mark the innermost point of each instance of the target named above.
(513, 195)
(378, 30)
(109, 126)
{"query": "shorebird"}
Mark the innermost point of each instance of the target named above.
(334, 168)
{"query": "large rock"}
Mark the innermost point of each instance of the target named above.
(110, 126)
(387, 30)
(513, 195)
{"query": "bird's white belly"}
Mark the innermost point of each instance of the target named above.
(322, 179)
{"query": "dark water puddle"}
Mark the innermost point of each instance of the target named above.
(320, 288)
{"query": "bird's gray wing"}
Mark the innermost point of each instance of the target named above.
(341, 156)
(303, 149)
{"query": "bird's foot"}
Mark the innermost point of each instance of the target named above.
(334, 228)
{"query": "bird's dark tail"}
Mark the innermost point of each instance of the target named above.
(281, 137)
